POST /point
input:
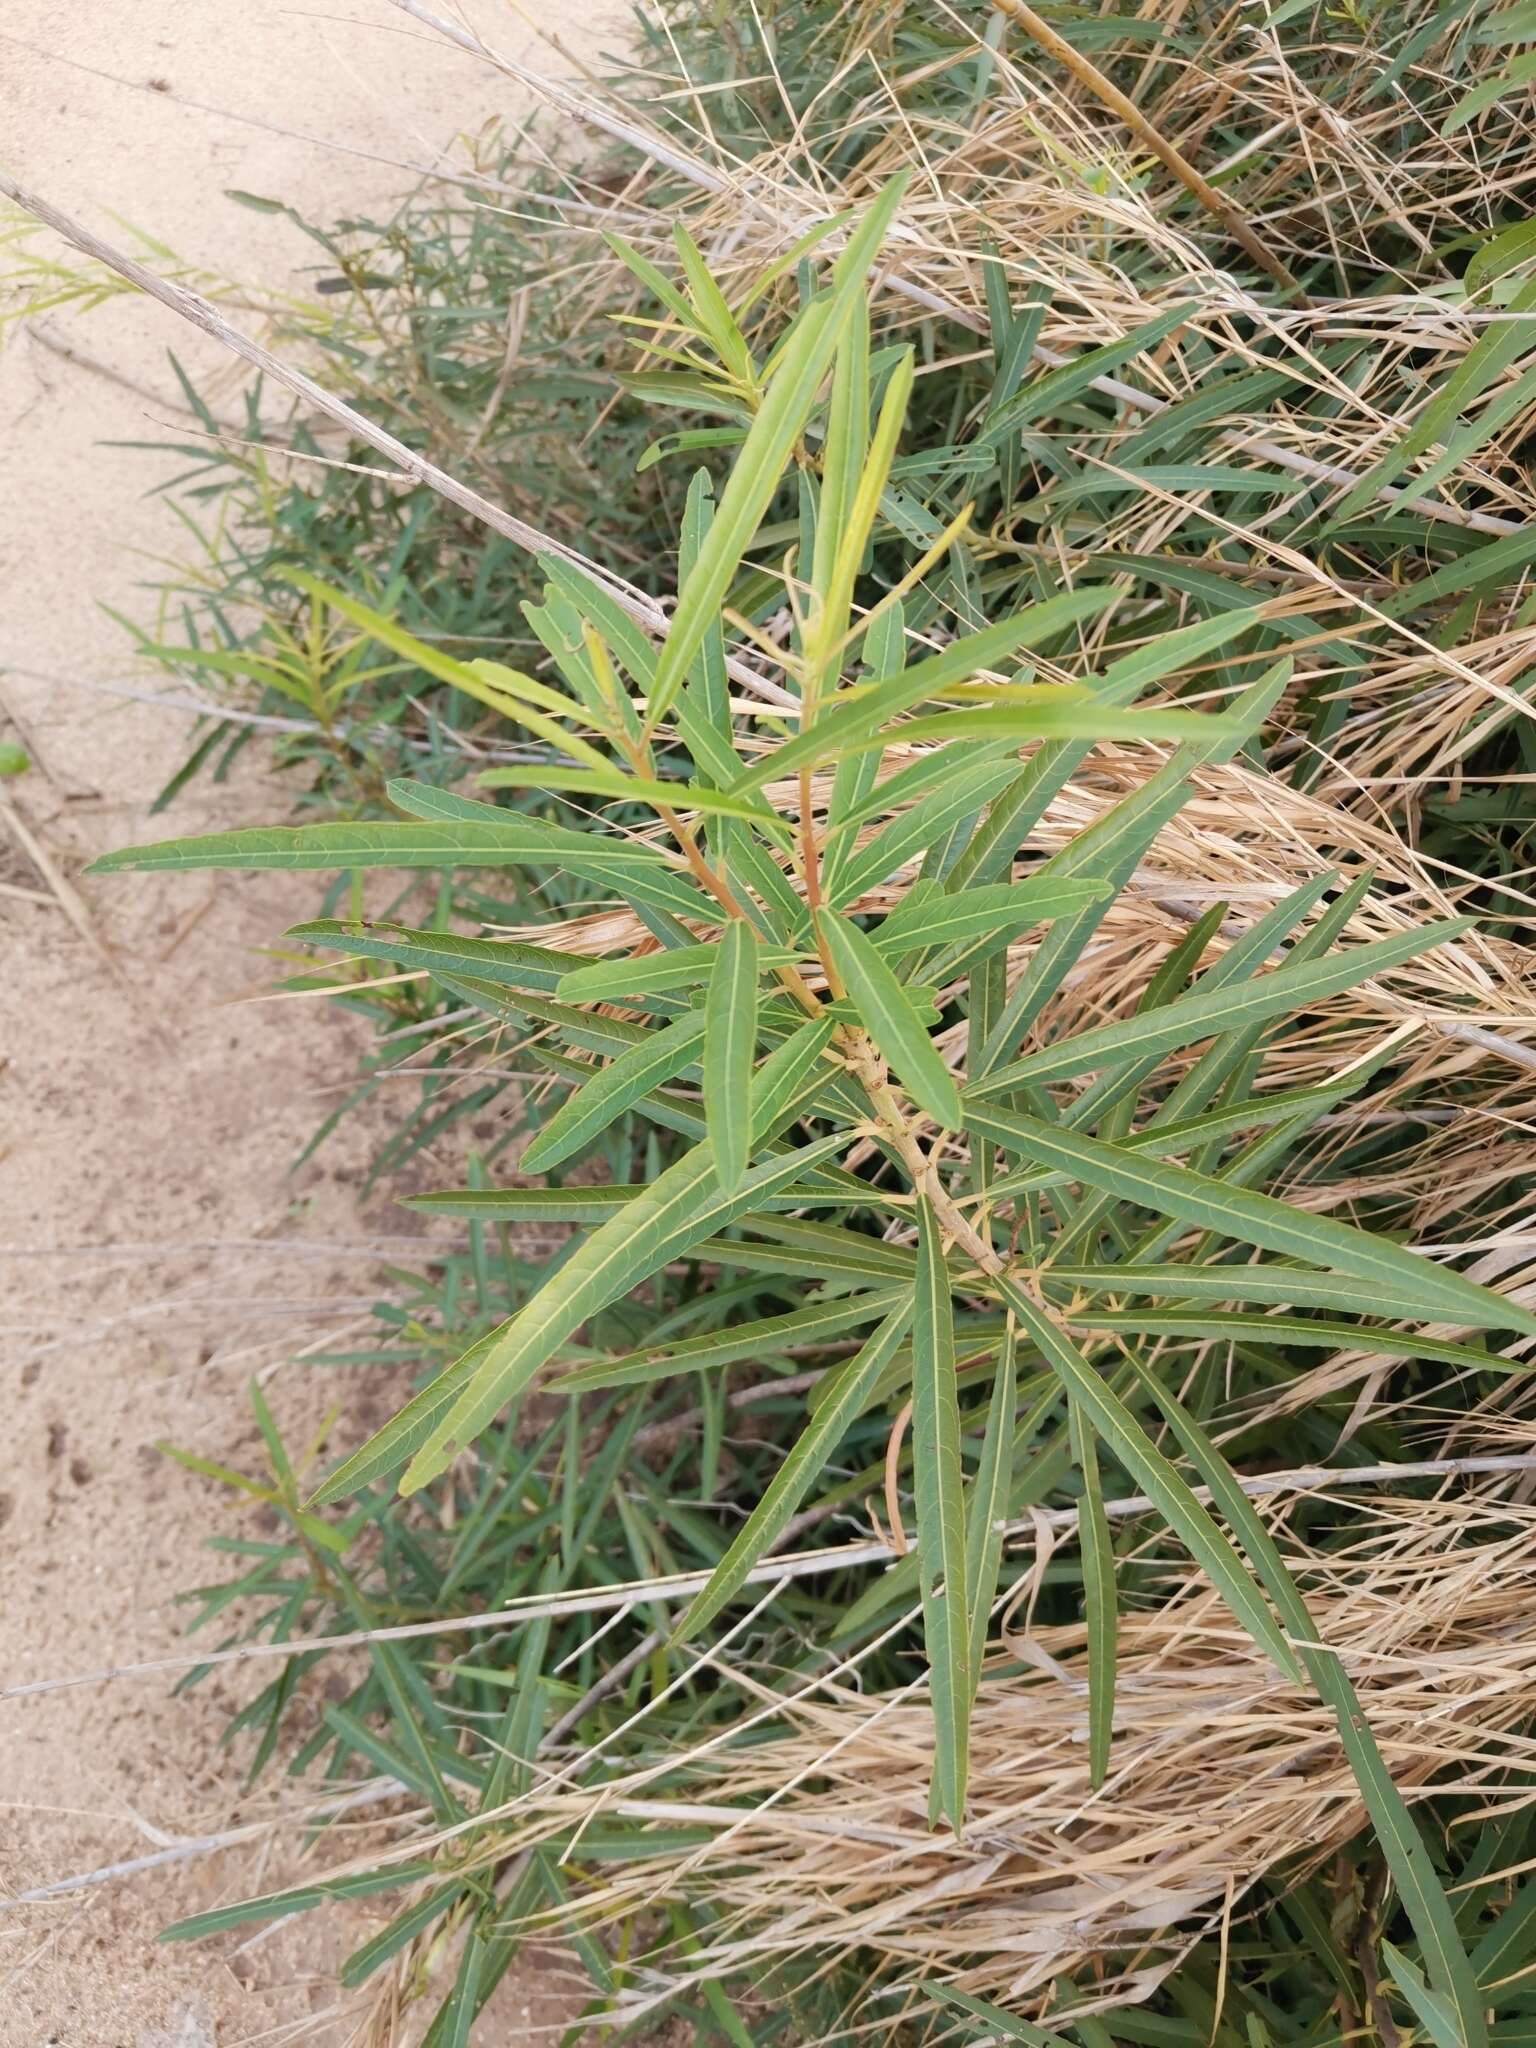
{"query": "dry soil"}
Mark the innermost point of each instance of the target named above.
(155, 1247)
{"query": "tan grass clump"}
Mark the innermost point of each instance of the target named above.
(1220, 1773)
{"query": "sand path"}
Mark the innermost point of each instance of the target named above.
(155, 1248)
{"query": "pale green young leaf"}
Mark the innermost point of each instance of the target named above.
(713, 315)
(754, 479)
(503, 689)
(853, 717)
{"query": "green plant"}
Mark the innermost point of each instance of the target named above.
(834, 959)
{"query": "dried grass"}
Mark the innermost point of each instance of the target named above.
(1222, 1772)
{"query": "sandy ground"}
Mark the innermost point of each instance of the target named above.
(154, 1246)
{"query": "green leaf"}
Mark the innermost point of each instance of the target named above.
(847, 1391)
(498, 960)
(1305, 1331)
(1099, 1601)
(1053, 390)
(680, 1207)
(1000, 909)
(755, 477)
(1261, 1220)
(762, 1339)
(940, 1517)
(891, 1021)
(730, 1049)
(638, 789)
(1116, 1426)
(1203, 1013)
(1434, 2014)
(610, 981)
(1298, 1286)
(623, 1082)
(988, 1508)
(506, 690)
(853, 717)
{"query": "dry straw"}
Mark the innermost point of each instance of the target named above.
(1222, 1772)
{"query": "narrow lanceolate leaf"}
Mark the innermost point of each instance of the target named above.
(730, 1047)
(678, 1210)
(506, 690)
(1450, 1968)
(1116, 1426)
(1000, 909)
(407, 843)
(1292, 1286)
(388, 1448)
(610, 981)
(940, 1517)
(504, 961)
(749, 490)
(1203, 1013)
(1309, 1332)
(1261, 1220)
(623, 1082)
(761, 1339)
(847, 1391)
(1099, 1602)
(891, 1020)
(988, 1506)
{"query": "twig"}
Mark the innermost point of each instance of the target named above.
(203, 315)
(67, 897)
(800, 1565)
(1088, 74)
(371, 1793)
